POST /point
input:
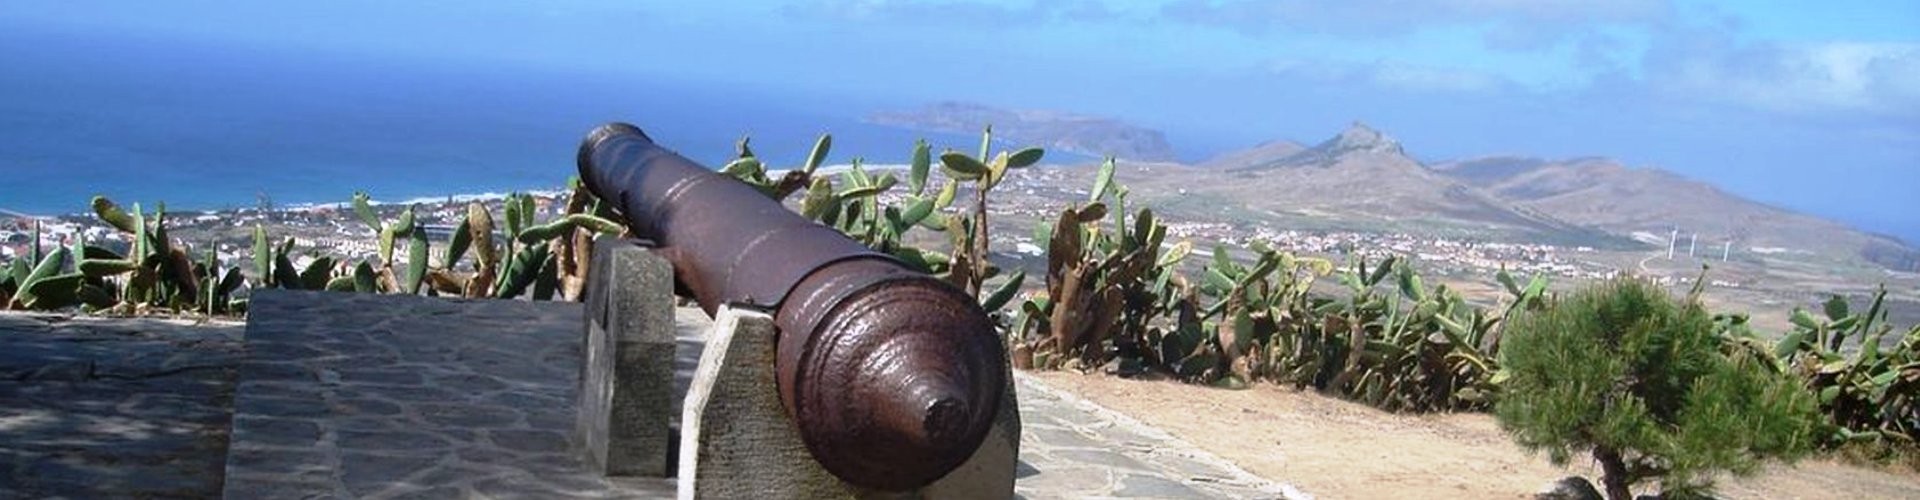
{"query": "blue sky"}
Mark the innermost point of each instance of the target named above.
(1809, 105)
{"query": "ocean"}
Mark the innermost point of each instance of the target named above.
(205, 126)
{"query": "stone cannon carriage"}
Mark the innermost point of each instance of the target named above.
(893, 377)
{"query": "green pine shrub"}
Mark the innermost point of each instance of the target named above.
(1640, 381)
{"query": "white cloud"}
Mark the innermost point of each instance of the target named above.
(1563, 10)
(1871, 78)
(1508, 24)
(1417, 77)
(975, 12)
(1396, 75)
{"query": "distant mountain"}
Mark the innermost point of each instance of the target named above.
(1607, 195)
(1491, 169)
(1055, 130)
(1365, 177)
(1357, 140)
(1268, 152)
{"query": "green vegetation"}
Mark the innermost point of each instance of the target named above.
(1112, 295)
(1104, 288)
(1641, 382)
(970, 267)
(858, 209)
(41, 280)
(1865, 387)
(541, 261)
(157, 272)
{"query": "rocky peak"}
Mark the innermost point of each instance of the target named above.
(1358, 137)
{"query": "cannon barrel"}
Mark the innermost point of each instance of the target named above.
(893, 377)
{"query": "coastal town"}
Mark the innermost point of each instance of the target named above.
(316, 230)
(332, 230)
(1434, 254)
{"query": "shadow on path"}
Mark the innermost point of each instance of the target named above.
(94, 407)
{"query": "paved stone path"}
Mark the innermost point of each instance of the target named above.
(360, 396)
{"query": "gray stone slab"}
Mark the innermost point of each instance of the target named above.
(739, 442)
(626, 396)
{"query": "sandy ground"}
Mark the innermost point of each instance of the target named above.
(1330, 448)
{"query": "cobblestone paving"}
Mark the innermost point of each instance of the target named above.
(358, 396)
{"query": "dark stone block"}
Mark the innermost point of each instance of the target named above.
(626, 378)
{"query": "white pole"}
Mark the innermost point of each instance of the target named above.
(1671, 240)
(1726, 251)
(1692, 242)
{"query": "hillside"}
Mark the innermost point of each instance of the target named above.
(1267, 152)
(1604, 194)
(1363, 178)
(1076, 133)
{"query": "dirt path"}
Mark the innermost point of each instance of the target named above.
(1336, 449)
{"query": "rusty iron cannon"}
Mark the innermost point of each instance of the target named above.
(893, 377)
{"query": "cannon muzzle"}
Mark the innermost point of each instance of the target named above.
(893, 377)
